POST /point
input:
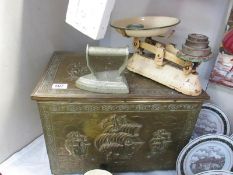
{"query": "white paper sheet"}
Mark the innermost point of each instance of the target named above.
(90, 17)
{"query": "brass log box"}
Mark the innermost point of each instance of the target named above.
(140, 131)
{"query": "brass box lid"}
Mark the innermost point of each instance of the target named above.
(64, 69)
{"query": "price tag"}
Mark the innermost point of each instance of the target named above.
(59, 86)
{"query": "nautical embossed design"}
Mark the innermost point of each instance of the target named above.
(209, 158)
(120, 138)
(75, 70)
(160, 141)
(76, 144)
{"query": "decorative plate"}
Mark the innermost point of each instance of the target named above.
(209, 152)
(215, 172)
(211, 120)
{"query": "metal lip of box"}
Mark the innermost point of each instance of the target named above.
(140, 131)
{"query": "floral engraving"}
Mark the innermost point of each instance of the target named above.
(75, 70)
(76, 144)
(120, 108)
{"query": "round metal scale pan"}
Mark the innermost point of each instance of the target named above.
(145, 26)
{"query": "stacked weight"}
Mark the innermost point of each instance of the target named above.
(196, 48)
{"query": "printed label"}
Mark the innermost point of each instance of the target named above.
(59, 86)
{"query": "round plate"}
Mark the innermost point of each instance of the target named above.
(209, 152)
(211, 120)
(144, 26)
(97, 172)
(216, 172)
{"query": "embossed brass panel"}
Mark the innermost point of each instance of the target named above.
(140, 131)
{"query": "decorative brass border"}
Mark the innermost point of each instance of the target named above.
(103, 107)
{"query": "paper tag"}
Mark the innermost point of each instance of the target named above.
(91, 17)
(59, 86)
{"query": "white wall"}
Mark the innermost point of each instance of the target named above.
(197, 16)
(30, 31)
(222, 97)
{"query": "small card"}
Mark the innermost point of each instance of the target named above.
(59, 86)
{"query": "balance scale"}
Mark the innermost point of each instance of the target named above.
(168, 65)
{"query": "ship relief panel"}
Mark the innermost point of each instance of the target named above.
(159, 143)
(94, 134)
(77, 144)
(119, 139)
